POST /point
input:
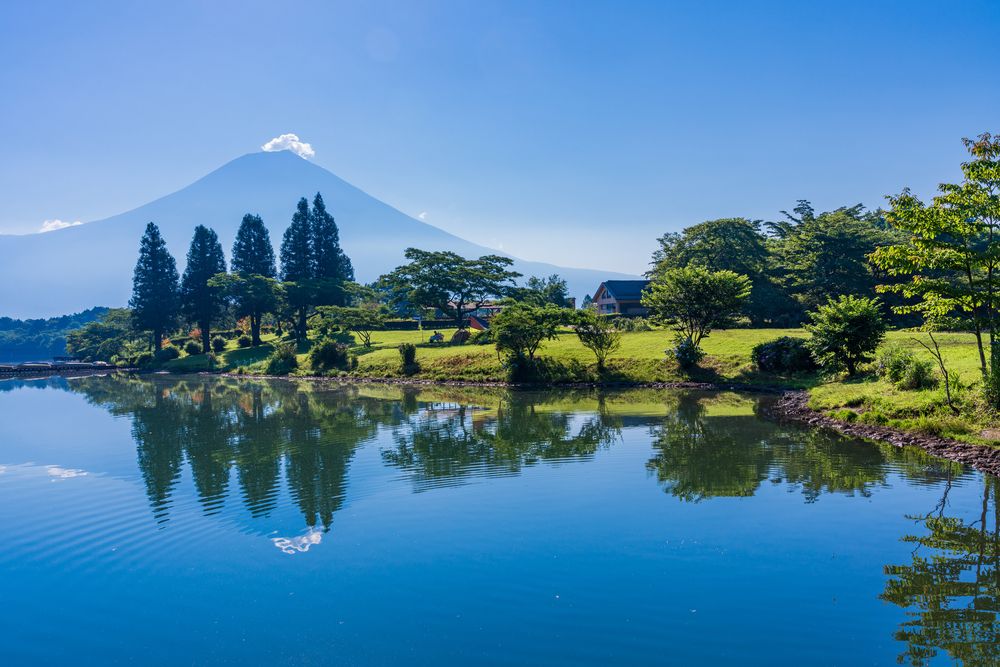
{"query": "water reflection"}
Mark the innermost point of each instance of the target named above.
(951, 588)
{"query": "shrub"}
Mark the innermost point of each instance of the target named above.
(482, 337)
(783, 355)
(408, 356)
(218, 344)
(903, 369)
(282, 360)
(845, 332)
(686, 352)
(166, 353)
(142, 360)
(629, 324)
(327, 354)
(244, 341)
(192, 347)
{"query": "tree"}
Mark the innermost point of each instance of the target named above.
(252, 285)
(540, 291)
(519, 329)
(693, 300)
(103, 340)
(597, 334)
(297, 264)
(362, 320)
(444, 280)
(201, 301)
(951, 252)
(331, 268)
(846, 331)
(155, 293)
(729, 244)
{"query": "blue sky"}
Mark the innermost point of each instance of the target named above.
(573, 132)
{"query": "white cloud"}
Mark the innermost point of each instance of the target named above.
(53, 225)
(423, 215)
(64, 473)
(289, 142)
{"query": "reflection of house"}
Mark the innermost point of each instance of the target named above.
(621, 296)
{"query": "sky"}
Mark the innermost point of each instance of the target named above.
(569, 132)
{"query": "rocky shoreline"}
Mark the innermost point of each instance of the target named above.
(793, 406)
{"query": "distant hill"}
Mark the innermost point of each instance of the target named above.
(65, 271)
(38, 340)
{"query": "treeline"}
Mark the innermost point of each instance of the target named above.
(37, 339)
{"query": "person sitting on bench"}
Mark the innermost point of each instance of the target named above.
(438, 337)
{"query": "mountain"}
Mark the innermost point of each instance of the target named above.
(68, 270)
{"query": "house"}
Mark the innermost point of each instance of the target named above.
(620, 296)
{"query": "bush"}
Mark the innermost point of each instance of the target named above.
(166, 353)
(282, 360)
(630, 324)
(218, 344)
(244, 341)
(327, 354)
(686, 352)
(845, 332)
(142, 360)
(192, 347)
(903, 369)
(408, 356)
(783, 355)
(482, 337)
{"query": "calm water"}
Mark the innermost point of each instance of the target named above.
(201, 521)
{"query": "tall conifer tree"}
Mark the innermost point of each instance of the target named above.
(155, 294)
(252, 283)
(331, 267)
(201, 302)
(297, 264)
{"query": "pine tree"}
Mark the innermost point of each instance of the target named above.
(155, 294)
(297, 264)
(252, 283)
(253, 253)
(202, 303)
(331, 267)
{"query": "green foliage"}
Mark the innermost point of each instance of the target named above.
(192, 347)
(950, 254)
(694, 300)
(252, 286)
(482, 337)
(444, 280)
(408, 357)
(845, 332)
(904, 370)
(541, 291)
(42, 338)
(282, 360)
(629, 324)
(166, 353)
(253, 254)
(783, 355)
(686, 352)
(327, 354)
(103, 340)
(597, 333)
(218, 344)
(331, 268)
(155, 292)
(362, 320)
(202, 300)
(244, 341)
(519, 329)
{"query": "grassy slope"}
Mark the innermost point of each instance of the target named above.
(641, 359)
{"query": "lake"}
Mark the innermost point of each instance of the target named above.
(169, 521)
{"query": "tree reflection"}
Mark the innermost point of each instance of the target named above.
(951, 589)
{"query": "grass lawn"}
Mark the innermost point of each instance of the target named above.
(641, 358)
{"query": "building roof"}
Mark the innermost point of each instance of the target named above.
(625, 290)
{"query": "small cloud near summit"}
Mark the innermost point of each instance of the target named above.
(53, 225)
(289, 142)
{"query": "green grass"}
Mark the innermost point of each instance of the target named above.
(641, 359)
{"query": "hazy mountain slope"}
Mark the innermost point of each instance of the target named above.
(65, 271)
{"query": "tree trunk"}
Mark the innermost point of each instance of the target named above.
(157, 340)
(206, 338)
(301, 326)
(255, 329)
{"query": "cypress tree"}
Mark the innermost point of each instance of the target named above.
(297, 264)
(253, 266)
(331, 267)
(202, 303)
(253, 253)
(155, 295)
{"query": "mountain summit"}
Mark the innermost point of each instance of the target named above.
(72, 269)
